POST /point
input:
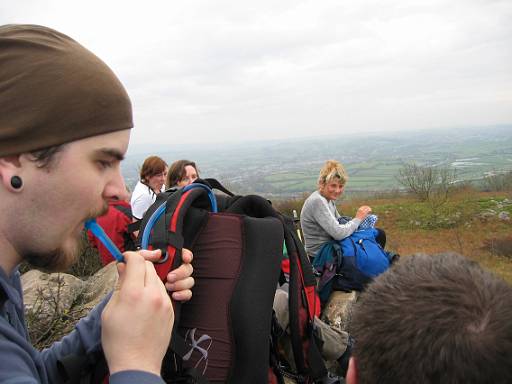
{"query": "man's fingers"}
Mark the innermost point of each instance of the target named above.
(134, 271)
(180, 273)
(182, 295)
(151, 278)
(186, 256)
(153, 255)
(181, 285)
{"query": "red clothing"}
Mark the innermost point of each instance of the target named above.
(114, 223)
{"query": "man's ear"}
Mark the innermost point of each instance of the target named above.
(352, 371)
(9, 166)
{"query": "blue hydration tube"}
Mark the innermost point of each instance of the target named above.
(161, 209)
(213, 200)
(97, 231)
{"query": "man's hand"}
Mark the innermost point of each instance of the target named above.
(137, 321)
(180, 280)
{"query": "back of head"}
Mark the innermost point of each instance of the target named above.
(53, 91)
(434, 319)
(332, 170)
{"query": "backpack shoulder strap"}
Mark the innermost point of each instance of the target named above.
(215, 184)
(162, 225)
(124, 209)
(304, 305)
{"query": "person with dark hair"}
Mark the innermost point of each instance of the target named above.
(181, 173)
(64, 113)
(433, 319)
(151, 183)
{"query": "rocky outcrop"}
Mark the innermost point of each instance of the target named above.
(54, 302)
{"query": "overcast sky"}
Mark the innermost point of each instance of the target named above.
(200, 71)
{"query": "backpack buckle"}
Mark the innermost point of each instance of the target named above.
(163, 259)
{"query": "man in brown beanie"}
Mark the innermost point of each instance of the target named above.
(65, 123)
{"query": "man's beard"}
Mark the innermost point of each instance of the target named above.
(63, 257)
(58, 260)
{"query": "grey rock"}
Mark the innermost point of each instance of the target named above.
(46, 295)
(504, 215)
(338, 310)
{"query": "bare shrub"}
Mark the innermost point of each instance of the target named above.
(47, 319)
(499, 246)
(498, 182)
(288, 206)
(428, 183)
(89, 261)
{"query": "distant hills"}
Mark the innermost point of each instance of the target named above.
(288, 168)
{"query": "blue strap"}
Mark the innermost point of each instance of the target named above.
(161, 209)
(151, 222)
(211, 196)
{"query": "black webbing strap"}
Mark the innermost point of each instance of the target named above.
(316, 362)
(127, 211)
(133, 227)
(3, 297)
(315, 367)
(215, 184)
(189, 376)
(84, 369)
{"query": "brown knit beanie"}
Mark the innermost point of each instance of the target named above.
(53, 91)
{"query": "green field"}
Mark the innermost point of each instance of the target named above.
(290, 168)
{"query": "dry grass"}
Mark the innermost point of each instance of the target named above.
(411, 227)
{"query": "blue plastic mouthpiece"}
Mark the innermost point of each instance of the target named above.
(97, 231)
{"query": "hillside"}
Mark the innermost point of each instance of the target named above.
(284, 169)
(475, 224)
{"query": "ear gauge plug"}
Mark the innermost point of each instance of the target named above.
(16, 182)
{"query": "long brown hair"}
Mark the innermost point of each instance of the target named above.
(177, 172)
(153, 165)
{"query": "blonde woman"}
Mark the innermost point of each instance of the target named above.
(319, 217)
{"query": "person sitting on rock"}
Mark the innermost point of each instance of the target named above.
(320, 219)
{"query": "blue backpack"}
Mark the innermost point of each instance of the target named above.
(350, 263)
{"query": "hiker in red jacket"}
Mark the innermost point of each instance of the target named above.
(115, 224)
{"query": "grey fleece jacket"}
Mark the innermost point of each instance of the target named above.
(21, 363)
(319, 222)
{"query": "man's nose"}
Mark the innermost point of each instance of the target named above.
(116, 187)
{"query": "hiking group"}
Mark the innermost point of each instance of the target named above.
(425, 319)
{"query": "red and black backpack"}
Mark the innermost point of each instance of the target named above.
(226, 332)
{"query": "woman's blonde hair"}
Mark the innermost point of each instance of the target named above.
(332, 170)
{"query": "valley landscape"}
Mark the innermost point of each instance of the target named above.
(287, 169)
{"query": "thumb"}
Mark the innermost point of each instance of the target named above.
(121, 269)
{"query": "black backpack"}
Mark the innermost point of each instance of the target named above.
(226, 333)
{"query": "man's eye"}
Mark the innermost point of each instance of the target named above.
(105, 163)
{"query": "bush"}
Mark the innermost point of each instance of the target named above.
(428, 183)
(499, 246)
(287, 207)
(498, 182)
